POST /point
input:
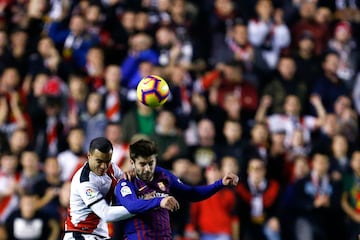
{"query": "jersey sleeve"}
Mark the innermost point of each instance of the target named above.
(89, 193)
(191, 193)
(118, 173)
(125, 194)
(310, 122)
(275, 122)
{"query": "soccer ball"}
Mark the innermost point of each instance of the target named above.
(153, 91)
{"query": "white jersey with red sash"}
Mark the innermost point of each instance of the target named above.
(10, 202)
(290, 124)
(87, 188)
(120, 153)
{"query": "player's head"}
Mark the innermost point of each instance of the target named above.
(99, 155)
(143, 155)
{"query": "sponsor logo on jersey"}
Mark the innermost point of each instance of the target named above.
(125, 190)
(90, 193)
(152, 194)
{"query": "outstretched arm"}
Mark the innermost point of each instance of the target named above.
(199, 193)
(320, 109)
(126, 196)
(261, 112)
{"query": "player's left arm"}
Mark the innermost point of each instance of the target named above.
(125, 193)
(198, 193)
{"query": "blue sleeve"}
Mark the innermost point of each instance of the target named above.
(129, 67)
(56, 33)
(192, 193)
(125, 195)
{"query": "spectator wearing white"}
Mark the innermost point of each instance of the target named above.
(292, 118)
(269, 32)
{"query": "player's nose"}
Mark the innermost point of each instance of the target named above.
(104, 165)
(147, 168)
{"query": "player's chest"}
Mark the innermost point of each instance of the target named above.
(104, 183)
(154, 189)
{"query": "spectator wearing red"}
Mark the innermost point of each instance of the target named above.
(307, 22)
(215, 217)
(226, 78)
(258, 199)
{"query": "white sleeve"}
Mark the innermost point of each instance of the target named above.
(89, 193)
(309, 122)
(257, 32)
(95, 200)
(118, 173)
(110, 213)
(274, 122)
(281, 36)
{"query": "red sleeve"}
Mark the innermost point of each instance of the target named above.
(209, 78)
(194, 214)
(249, 97)
(243, 192)
(271, 194)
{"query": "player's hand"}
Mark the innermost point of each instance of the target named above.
(230, 179)
(170, 203)
(266, 101)
(129, 174)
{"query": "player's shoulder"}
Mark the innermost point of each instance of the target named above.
(123, 188)
(162, 173)
(160, 169)
(124, 181)
(83, 174)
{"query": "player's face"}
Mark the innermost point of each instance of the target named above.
(99, 162)
(145, 167)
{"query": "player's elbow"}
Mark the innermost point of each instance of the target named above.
(117, 213)
(111, 213)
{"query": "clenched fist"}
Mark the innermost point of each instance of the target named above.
(170, 203)
(230, 179)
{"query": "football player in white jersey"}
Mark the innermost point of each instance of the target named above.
(92, 189)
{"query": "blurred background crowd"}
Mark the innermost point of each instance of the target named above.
(267, 89)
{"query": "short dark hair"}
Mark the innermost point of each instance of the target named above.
(102, 144)
(142, 148)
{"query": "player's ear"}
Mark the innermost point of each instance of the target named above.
(132, 162)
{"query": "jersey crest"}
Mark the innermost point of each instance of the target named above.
(90, 193)
(161, 186)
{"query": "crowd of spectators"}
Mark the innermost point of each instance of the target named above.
(267, 89)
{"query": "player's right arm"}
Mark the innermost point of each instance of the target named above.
(125, 193)
(95, 200)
